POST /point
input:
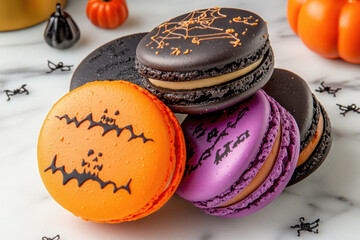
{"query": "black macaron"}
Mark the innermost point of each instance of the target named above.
(114, 60)
(293, 93)
(206, 60)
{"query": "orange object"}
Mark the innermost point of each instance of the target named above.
(107, 13)
(328, 27)
(111, 152)
(19, 14)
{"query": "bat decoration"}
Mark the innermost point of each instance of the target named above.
(64, 68)
(57, 237)
(16, 91)
(108, 124)
(217, 135)
(90, 172)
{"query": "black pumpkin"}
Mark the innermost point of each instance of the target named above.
(61, 31)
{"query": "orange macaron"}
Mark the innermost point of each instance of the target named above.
(111, 152)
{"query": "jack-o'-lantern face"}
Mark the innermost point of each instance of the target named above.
(92, 166)
(108, 120)
(90, 169)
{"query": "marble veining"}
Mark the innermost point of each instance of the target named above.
(27, 211)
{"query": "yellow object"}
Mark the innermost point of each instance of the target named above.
(18, 14)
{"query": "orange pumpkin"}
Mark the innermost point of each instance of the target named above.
(328, 27)
(107, 13)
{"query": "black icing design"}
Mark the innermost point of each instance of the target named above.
(85, 176)
(214, 133)
(108, 124)
(199, 131)
(228, 147)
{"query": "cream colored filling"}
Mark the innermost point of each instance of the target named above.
(207, 82)
(309, 149)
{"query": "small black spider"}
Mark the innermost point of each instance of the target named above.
(327, 89)
(57, 237)
(307, 226)
(19, 90)
(60, 65)
(348, 108)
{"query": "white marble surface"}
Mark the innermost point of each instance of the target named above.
(28, 212)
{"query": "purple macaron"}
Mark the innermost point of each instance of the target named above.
(241, 158)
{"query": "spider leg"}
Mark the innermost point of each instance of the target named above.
(302, 219)
(322, 84)
(7, 94)
(315, 226)
(10, 93)
(52, 66)
(295, 226)
(298, 231)
(320, 89)
(344, 113)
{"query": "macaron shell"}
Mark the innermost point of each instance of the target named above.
(221, 145)
(114, 60)
(220, 27)
(178, 171)
(278, 178)
(299, 103)
(318, 156)
(254, 168)
(74, 126)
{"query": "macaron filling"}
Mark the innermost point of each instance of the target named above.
(207, 82)
(261, 175)
(309, 149)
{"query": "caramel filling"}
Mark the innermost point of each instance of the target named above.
(309, 149)
(206, 82)
(261, 175)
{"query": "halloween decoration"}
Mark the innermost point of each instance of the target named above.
(329, 90)
(61, 31)
(107, 13)
(84, 176)
(348, 108)
(328, 27)
(109, 151)
(108, 124)
(52, 66)
(57, 237)
(16, 91)
(307, 226)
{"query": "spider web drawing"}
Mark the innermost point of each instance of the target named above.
(203, 20)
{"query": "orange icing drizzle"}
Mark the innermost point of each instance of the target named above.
(199, 19)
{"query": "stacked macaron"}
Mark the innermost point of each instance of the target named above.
(242, 145)
(206, 60)
(111, 151)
